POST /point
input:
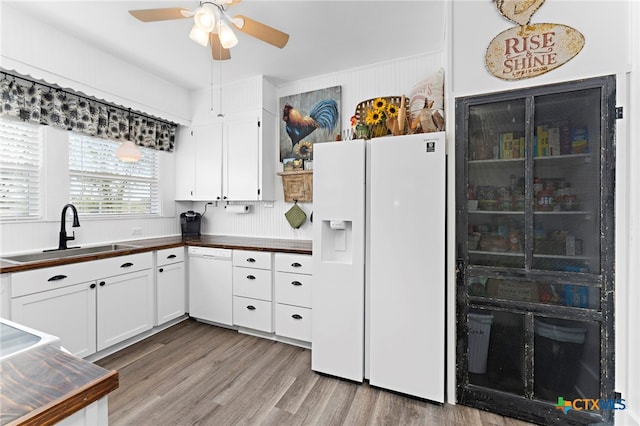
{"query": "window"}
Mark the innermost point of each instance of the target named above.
(100, 184)
(20, 162)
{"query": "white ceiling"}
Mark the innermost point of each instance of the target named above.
(325, 36)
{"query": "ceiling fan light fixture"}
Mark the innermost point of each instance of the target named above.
(205, 18)
(199, 36)
(228, 38)
(238, 22)
(128, 152)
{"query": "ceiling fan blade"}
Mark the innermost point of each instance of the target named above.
(261, 31)
(218, 52)
(232, 3)
(151, 15)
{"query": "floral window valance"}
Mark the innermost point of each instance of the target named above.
(39, 103)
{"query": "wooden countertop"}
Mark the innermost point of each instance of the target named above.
(45, 385)
(151, 244)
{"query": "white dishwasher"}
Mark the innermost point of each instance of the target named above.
(210, 285)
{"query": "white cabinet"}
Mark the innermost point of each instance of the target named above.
(124, 308)
(253, 290)
(249, 160)
(87, 313)
(170, 284)
(198, 157)
(233, 159)
(67, 312)
(293, 287)
(210, 285)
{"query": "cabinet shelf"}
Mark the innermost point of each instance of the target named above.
(563, 212)
(497, 253)
(586, 157)
(493, 161)
(497, 212)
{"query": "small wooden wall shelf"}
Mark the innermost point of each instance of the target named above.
(297, 185)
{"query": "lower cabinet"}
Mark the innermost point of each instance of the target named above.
(253, 290)
(124, 308)
(68, 313)
(170, 284)
(86, 313)
(293, 278)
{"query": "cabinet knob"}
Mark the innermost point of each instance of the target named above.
(251, 260)
(251, 277)
(218, 197)
(102, 283)
(224, 198)
(296, 317)
(295, 265)
(296, 283)
(92, 285)
(57, 278)
(161, 270)
(251, 308)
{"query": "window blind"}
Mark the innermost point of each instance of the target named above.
(20, 163)
(100, 184)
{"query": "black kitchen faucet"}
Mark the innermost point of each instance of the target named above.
(63, 231)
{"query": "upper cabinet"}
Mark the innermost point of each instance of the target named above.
(230, 158)
(198, 163)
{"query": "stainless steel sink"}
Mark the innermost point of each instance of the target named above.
(63, 254)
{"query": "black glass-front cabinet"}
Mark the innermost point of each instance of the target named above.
(535, 248)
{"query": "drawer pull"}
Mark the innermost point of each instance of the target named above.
(171, 256)
(251, 260)
(251, 308)
(296, 283)
(251, 277)
(92, 285)
(126, 265)
(57, 278)
(161, 270)
(295, 265)
(296, 317)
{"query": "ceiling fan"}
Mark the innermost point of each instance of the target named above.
(212, 26)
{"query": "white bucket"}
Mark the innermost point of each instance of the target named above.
(479, 333)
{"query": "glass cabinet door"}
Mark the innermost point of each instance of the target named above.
(566, 182)
(496, 183)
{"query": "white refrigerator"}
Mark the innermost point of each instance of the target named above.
(379, 262)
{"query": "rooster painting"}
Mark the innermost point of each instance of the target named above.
(302, 128)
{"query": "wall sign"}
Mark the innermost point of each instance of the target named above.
(526, 51)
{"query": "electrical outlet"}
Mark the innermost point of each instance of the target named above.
(136, 231)
(268, 205)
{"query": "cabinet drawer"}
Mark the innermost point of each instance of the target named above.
(252, 313)
(38, 280)
(297, 263)
(293, 289)
(170, 255)
(255, 283)
(293, 322)
(252, 259)
(122, 264)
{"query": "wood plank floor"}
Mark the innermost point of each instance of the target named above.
(198, 374)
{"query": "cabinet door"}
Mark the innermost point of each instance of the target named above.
(170, 292)
(124, 307)
(242, 158)
(185, 157)
(68, 313)
(208, 162)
